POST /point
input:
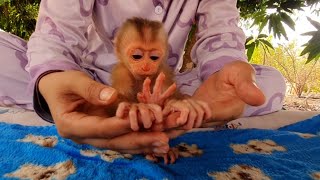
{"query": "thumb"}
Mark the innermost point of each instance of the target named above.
(94, 92)
(249, 92)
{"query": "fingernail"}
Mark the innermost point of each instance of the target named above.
(106, 94)
(159, 151)
(158, 144)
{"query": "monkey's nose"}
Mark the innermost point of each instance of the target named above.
(145, 68)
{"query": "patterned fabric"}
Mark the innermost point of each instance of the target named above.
(81, 37)
(292, 152)
(13, 90)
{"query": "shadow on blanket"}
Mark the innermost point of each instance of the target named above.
(292, 152)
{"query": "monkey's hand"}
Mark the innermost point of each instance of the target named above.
(140, 114)
(192, 112)
(172, 156)
(157, 96)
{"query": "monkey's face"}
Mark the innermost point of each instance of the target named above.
(145, 61)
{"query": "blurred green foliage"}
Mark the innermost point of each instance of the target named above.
(19, 16)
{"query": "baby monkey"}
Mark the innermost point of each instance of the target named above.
(141, 47)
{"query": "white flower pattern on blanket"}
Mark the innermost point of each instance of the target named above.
(257, 146)
(106, 155)
(45, 141)
(229, 154)
(240, 172)
(31, 171)
(316, 176)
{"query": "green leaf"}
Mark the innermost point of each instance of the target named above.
(3, 1)
(281, 29)
(249, 39)
(312, 48)
(287, 19)
(314, 23)
(262, 36)
(250, 51)
(267, 43)
(311, 33)
(263, 24)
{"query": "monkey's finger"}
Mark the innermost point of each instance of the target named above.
(168, 107)
(157, 89)
(165, 158)
(145, 117)
(141, 98)
(122, 109)
(157, 112)
(185, 109)
(200, 112)
(170, 91)
(133, 118)
(172, 156)
(146, 88)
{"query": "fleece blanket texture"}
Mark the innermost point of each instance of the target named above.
(291, 152)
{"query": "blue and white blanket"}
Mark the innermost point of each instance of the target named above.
(292, 152)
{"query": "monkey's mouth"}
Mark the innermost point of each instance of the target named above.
(144, 76)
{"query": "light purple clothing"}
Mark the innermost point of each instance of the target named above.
(78, 34)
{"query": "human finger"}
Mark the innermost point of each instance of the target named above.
(89, 89)
(81, 125)
(242, 76)
(199, 111)
(207, 110)
(192, 115)
(133, 143)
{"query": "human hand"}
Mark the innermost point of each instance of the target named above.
(78, 106)
(139, 114)
(229, 90)
(192, 112)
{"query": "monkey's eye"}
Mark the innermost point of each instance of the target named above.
(154, 55)
(154, 58)
(137, 54)
(136, 57)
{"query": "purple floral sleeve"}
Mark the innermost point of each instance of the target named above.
(59, 38)
(220, 40)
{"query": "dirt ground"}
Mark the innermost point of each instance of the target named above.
(302, 104)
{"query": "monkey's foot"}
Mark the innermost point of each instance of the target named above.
(171, 156)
